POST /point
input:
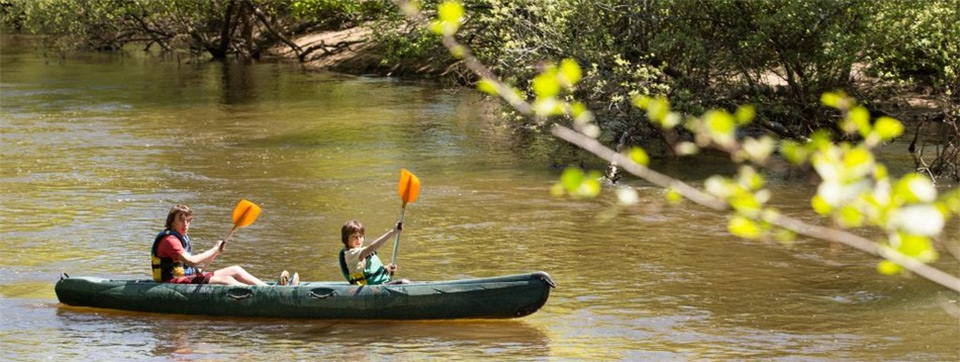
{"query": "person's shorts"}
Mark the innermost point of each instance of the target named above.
(199, 278)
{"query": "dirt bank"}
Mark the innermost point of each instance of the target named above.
(351, 51)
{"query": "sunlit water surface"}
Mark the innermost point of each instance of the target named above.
(96, 148)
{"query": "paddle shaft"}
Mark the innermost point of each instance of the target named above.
(227, 237)
(396, 243)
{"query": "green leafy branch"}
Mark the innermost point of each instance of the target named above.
(856, 190)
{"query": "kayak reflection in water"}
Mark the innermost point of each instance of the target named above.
(173, 261)
(360, 264)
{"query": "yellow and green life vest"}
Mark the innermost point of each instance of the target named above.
(373, 271)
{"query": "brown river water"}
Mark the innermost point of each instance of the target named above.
(96, 148)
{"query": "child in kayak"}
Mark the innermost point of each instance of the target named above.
(173, 260)
(360, 264)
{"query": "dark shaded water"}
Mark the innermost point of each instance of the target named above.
(96, 148)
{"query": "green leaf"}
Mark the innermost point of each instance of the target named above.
(450, 11)
(719, 121)
(639, 155)
(672, 119)
(743, 227)
(887, 267)
(458, 51)
(858, 158)
(557, 190)
(673, 196)
(836, 100)
(858, 120)
(916, 246)
(914, 187)
(888, 128)
(820, 205)
(570, 71)
(851, 217)
(750, 178)
(548, 106)
(951, 200)
(488, 86)
(720, 126)
(880, 172)
(571, 178)
(437, 27)
(577, 109)
(794, 152)
(641, 101)
(944, 208)
(581, 115)
(745, 114)
(744, 202)
(545, 85)
(590, 187)
(658, 109)
(785, 236)
(819, 140)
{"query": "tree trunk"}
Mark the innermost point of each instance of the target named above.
(220, 52)
(247, 27)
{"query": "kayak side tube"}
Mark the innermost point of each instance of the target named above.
(509, 296)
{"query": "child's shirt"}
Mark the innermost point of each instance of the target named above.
(370, 268)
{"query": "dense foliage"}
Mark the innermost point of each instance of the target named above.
(701, 54)
(856, 190)
(704, 54)
(245, 28)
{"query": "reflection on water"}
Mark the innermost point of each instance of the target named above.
(165, 335)
(96, 149)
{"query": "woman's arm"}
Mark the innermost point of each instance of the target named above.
(205, 257)
(376, 244)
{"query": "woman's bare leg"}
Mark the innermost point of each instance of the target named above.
(224, 280)
(238, 274)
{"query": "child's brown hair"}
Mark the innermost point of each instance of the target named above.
(349, 228)
(178, 212)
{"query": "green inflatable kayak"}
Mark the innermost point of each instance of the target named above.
(500, 297)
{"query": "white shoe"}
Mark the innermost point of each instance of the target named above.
(295, 280)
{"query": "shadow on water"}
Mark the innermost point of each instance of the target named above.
(164, 335)
(237, 83)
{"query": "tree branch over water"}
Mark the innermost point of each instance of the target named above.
(715, 130)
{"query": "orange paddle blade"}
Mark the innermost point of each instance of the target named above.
(245, 213)
(409, 186)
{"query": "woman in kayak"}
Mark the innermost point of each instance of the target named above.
(360, 264)
(173, 260)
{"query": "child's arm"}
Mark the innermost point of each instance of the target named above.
(376, 244)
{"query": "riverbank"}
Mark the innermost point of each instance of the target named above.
(351, 51)
(354, 51)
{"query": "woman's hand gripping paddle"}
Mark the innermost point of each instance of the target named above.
(244, 214)
(409, 189)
